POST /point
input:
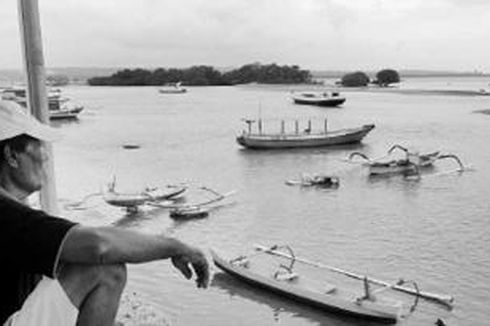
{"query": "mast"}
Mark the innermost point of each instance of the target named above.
(37, 99)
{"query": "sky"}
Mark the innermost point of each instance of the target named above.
(314, 34)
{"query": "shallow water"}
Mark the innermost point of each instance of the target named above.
(434, 231)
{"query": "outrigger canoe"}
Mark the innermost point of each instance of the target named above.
(131, 201)
(410, 165)
(333, 299)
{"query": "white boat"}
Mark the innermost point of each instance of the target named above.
(173, 89)
(330, 99)
(58, 107)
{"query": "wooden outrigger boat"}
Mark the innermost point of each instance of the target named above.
(410, 165)
(367, 306)
(199, 210)
(331, 299)
(297, 139)
(131, 201)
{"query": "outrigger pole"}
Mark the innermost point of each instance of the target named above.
(446, 300)
(37, 100)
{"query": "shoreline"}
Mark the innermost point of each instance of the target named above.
(457, 92)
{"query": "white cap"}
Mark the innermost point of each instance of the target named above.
(15, 121)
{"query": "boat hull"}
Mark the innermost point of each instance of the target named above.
(172, 91)
(340, 137)
(125, 200)
(365, 309)
(330, 102)
(390, 169)
(65, 113)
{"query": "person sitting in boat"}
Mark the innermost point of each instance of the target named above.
(56, 272)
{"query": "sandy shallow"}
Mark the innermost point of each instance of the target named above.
(135, 311)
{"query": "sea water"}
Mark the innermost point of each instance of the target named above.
(434, 231)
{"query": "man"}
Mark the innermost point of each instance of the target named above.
(82, 269)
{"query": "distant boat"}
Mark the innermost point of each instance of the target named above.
(318, 180)
(58, 107)
(62, 109)
(173, 89)
(297, 139)
(329, 99)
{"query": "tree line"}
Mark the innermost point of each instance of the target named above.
(384, 78)
(206, 75)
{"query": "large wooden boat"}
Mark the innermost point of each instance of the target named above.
(306, 138)
(330, 299)
(330, 99)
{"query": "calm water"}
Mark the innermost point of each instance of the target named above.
(435, 231)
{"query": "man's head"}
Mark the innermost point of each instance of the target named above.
(21, 150)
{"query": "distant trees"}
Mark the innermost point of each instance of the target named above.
(387, 76)
(355, 79)
(206, 75)
(384, 78)
(267, 74)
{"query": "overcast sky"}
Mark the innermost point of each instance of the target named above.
(315, 34)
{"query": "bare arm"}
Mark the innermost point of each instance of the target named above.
(110, 245)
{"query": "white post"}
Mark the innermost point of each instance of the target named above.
(37, 99)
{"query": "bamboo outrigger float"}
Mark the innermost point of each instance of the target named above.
(443, 299)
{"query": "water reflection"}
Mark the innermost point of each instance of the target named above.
(59, 123)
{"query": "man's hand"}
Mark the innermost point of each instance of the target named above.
(195, 258)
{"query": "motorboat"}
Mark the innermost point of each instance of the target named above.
(174, 88)
(330, 99)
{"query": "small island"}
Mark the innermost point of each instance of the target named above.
(207, 76)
